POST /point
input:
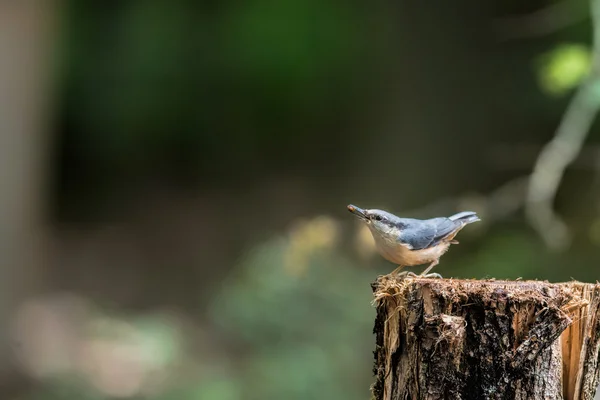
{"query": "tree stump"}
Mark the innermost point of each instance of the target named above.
(479, 340)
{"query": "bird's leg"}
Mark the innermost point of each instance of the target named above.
(434, 275)
(454, 242)
(397, 270)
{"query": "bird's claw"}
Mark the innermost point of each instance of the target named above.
(410, 274)
(432, 275)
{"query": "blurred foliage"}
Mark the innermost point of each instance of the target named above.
(80, 350)
(300, 333)
(305, 334)
(563, 68)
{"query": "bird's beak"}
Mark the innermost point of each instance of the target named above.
(359, 212)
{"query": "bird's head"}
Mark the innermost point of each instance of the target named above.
(379, 221)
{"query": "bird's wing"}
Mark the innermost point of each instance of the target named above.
(423, 234)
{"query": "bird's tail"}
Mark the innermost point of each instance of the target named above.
(466, 217)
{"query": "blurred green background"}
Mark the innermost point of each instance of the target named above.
(175, 176)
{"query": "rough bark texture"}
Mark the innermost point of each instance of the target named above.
(467, 339)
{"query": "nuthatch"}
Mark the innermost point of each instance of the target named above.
(408, 242)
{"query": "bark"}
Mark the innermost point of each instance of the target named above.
(467, 339)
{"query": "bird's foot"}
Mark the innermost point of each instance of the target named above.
(410, 274)
(406, 274)
(432, 275)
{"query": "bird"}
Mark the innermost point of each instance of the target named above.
(408, 242)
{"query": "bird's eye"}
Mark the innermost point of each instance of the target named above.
(378, 218)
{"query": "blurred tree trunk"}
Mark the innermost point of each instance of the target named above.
(25, 61)
(455, 339)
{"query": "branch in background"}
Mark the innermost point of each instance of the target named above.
(497, 205)
(521, 157)
(562, 150)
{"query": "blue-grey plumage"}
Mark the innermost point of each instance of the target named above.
(408, 241)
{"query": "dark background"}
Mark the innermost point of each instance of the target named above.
(175, 176)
